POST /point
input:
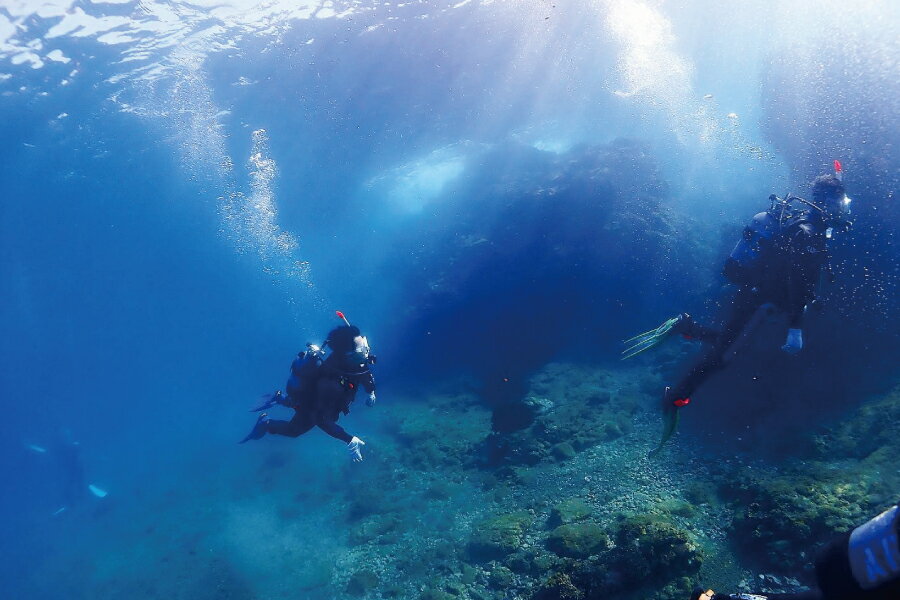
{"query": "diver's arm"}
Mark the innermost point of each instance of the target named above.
(806, 261)
(331, 427)
(367, 381)
(368, 384)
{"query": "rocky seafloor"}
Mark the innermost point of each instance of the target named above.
(553, 496)
(549, 497)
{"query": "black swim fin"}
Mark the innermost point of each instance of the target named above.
(259, 429)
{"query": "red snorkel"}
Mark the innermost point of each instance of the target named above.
(838, 170)
(340, 315)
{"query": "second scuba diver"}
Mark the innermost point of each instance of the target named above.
(776, 266)
(320, 390)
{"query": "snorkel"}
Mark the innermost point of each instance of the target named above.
(320, 350)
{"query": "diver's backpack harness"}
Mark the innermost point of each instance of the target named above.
(766, 232)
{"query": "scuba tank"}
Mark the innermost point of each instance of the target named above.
(304, 370)
(747, 261)
(745, 264)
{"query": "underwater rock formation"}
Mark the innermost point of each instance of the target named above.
(567, 409)
(498, 536)
(650, 548)
(782, 516)
(518, 414)
(577, 540)
(569, 511)
(559, 586)
(526, 232)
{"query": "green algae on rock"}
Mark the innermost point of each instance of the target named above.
(498, 536)
(577, 540)
(373, 528)
(778, 511)
(649, 548)
(569, 511)
(567, 409)
(563, 451)
(559, 586)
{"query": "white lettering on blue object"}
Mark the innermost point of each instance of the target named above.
(874, 572)
(874, 552)
(889, 544)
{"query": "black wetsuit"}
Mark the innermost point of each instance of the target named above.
(329, 395)
(786, 278)
(854, 566)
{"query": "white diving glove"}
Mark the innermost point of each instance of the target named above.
(794, 342)
(370, 401)
(354, 447)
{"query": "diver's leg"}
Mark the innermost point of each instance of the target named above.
(711, 360)
(743, 306)
(331, 397)
(708, 363)
(693, 330)
(303, 421)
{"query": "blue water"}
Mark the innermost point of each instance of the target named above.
(191, 189)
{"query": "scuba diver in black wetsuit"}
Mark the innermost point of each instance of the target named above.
(776, 266)
(68, 472)
(861, 565)
(319, 390)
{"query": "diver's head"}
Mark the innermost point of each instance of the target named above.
(828, 194)
(343, 339)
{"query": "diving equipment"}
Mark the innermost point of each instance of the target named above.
(259, 429)
(649, 339)
(701, 594)
(794, 342)
(827, 211)
(873, 550)
(270, 401)
(304, 370)
(670, 408)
